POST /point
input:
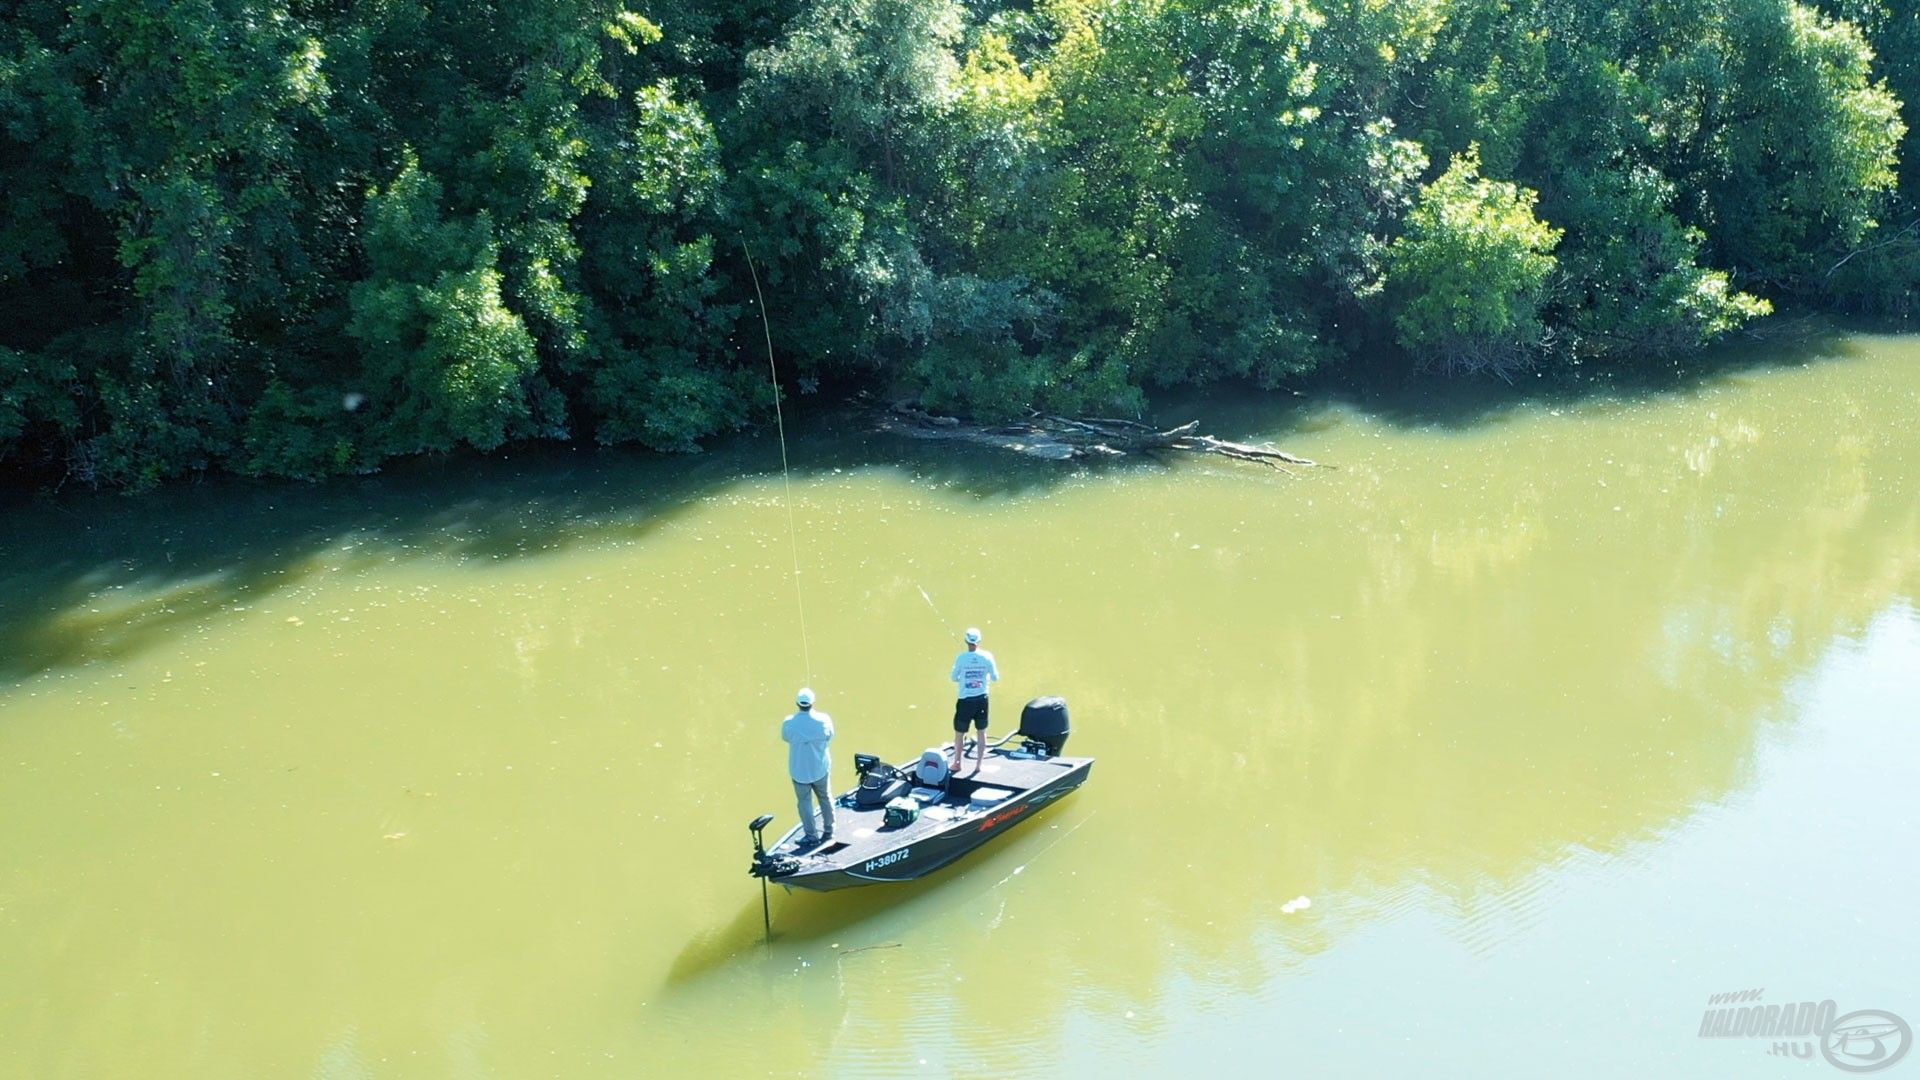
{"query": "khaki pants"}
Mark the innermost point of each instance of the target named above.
(818, 790)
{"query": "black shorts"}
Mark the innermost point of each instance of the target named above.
(970, 708)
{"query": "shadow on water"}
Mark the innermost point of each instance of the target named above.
(801, 917)
(101, 576)
(798, 918)
(183, 554)
(1385, 387)
(1409, 399)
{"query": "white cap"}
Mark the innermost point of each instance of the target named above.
(804, 698)
(973, 635)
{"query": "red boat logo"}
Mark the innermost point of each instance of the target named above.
(1004, 815)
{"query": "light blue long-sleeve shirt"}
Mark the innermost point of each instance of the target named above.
(807, 733)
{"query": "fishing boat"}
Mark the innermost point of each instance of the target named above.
(904, 822)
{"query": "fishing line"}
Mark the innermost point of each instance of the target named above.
(1050, 846)
(936, 608)
(786, 478)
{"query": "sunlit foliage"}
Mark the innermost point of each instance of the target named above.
(289, 239)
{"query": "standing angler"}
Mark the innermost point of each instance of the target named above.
(973, 670)
(807, 734)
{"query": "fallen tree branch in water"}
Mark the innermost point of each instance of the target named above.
(1066, 438)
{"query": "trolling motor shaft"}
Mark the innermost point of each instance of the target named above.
(758, 869)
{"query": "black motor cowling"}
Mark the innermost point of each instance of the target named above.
(1044, 720)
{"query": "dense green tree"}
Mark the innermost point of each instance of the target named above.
(294, 239)
(446, 362)
(1470, 272)
(1892, 31)
(1882, 274)
(1776, 125)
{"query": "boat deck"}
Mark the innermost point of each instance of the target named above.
(862, 834)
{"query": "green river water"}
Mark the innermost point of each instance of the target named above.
(1566, 711)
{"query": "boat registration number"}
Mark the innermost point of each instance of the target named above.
(887, 860)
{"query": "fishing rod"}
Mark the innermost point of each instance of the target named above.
(944, 621)
(786, 475)
(793, 545)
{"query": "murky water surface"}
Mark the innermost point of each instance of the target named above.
(1564, 715)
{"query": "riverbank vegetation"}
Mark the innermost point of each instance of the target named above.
(294, 239)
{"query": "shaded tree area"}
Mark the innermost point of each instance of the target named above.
(295, 239)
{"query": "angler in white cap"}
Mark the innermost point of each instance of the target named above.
(973, 670)
(807, 734)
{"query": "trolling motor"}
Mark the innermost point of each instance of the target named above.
(756, 827)
(759, 869)
(765, 865)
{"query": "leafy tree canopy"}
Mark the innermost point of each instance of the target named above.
(290, 239)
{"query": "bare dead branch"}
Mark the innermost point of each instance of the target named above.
(1067, 438)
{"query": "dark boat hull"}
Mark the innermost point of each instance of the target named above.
(914, 853)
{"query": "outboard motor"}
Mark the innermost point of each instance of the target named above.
(1044, 721)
